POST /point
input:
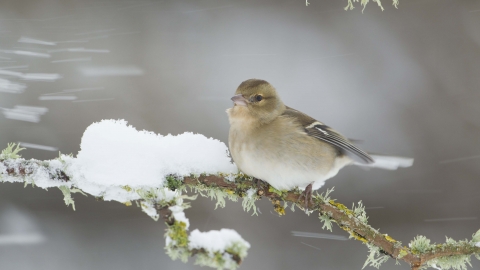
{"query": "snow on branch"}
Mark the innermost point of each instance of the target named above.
(119, 163)
(364, 3)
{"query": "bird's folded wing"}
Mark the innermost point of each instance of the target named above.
(323, 132)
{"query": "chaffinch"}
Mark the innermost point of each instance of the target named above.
(287, 148)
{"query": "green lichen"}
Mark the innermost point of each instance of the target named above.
(327, 221)
(27, 181)
(67, 196)
(178, 233)
(375, 257)
(402, 253)
(220, 194)
(237, 249)
(279, 209)
(11, 152)
(389, 239)
(238, 178)
(178, 246)
(354, 235)
(152, 195)
(248, 203)
(323, 198)
(342, 207)
(476, 237)
(216, 260)
(455, 262)
(174, 183)
(147, 195)
(61, 158)
(276, 191)
(76, 190)
(292, 208)
(420, 244)
(215, 193)
(181, 253)
(364, 3)
(224, 260)
(359, 212)
(127, 188)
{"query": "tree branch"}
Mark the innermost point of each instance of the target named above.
(419, 254)
(346, 220)
(364, 3)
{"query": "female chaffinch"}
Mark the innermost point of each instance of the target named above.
(287, 148)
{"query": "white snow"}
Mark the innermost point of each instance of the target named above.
(41, 176)
(3, 171)
(118, 162)
(116, 154)
(477, 244)
(215, 241)
(11, 164)
(119, 194)
(147, 208)
(251, 192)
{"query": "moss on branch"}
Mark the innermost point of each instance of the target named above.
(363, 3)
(420, 253)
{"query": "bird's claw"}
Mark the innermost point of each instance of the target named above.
(307, 195)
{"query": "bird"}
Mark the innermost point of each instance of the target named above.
(287, 148)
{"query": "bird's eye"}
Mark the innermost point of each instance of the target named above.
(258, 97)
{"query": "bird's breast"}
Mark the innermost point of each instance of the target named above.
(283, 158)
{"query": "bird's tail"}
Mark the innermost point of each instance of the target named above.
(388, 162)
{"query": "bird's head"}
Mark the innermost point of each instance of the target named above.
(257, 99)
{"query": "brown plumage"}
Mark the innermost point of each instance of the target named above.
(283, 146)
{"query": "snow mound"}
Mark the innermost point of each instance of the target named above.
(116, 154)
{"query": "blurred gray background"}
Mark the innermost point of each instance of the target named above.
(407, 82)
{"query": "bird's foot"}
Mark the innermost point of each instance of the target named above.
(307, 195)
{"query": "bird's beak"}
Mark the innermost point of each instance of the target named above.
(239, 100)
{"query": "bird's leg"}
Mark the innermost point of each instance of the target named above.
(259, 186)
(307, 194)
